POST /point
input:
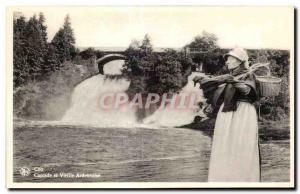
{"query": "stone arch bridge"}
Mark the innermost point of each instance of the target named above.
(107, 58)
(112, 54)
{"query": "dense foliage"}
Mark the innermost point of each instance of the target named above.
(205, 53)
(151, 72)
(64, 42)
(33, 56)
(44, 75)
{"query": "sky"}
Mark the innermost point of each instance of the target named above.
(173, 27)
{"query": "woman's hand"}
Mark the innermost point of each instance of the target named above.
(232, 80)
(227, 78)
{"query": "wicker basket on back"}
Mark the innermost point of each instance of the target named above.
(268, 85)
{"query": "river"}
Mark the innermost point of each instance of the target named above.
(127, 154)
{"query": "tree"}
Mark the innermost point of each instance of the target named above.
(206, 42)
(146, 45)
(69, 34)
(33, 56)
(140, 61)
(20, 70)
(64, 42)
(170, 79)
(30, 48)
(151, 72)
(36, 45)
(206, 53)
(43, 27)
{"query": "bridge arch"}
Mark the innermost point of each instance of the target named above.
(107, 58)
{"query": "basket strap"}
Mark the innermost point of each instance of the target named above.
(254, 67)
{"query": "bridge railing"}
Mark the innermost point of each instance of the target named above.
(197, 50)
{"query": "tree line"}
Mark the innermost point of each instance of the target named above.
(33, 56)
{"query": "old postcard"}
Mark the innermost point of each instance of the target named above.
(150, 97)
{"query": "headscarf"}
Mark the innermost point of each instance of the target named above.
(240, 54)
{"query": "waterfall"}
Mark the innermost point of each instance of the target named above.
(170, 117)
(86, 105)
(86, 109)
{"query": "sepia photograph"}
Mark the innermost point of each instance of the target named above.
(150, 97)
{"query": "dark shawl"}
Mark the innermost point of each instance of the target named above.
(220, 92)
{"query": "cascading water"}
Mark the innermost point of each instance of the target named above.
(86, 106)
(86, 109)
(170, 117)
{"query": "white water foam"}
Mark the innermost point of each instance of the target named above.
(86, 108)
(170, 117)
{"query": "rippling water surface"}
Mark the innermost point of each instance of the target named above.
(121, 154)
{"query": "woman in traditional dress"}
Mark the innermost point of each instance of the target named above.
(235, 149)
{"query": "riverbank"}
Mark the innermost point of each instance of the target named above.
(268, 129)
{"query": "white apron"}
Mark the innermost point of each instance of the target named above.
(235, 150)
